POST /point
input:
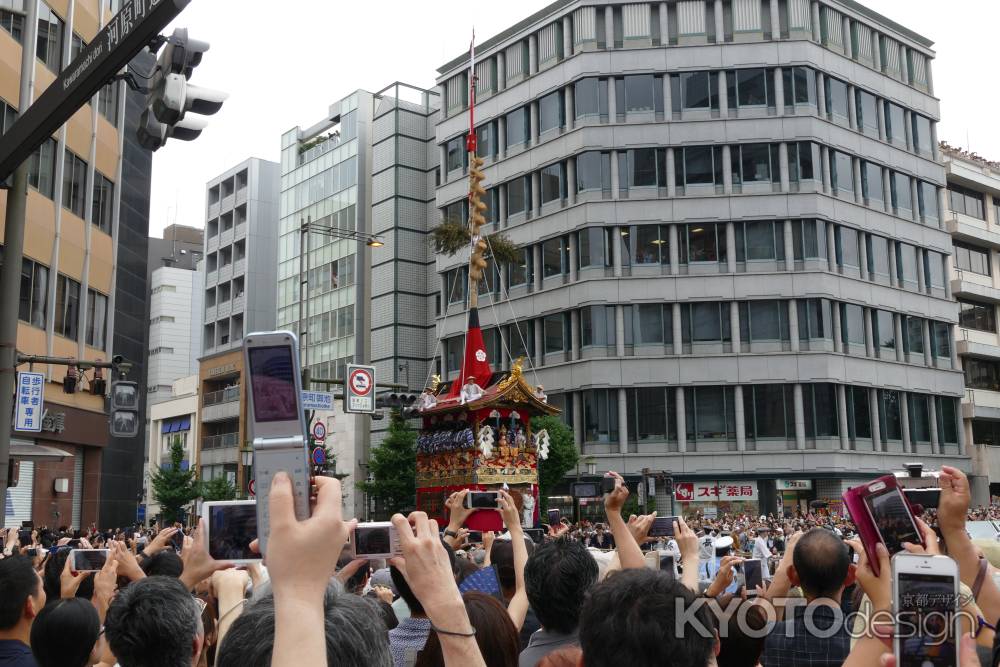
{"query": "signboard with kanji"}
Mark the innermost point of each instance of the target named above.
(29, 412)
(359, 389)
(687, 492)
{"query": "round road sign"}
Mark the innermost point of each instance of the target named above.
(251, 485)
(318, 456)
(361, 382)
(319, 431)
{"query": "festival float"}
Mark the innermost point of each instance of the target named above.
(476, 431)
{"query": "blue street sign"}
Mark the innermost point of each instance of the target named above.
(317, 400)
(319, 456)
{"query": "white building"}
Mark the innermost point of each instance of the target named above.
(174, 329)
(174, 418)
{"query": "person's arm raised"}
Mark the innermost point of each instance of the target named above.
(457, 515)
(518, 606)
(869, 648)
(198, 564)
(687, 543)
(629, 553)
(427, 570)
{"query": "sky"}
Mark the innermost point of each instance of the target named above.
(284, 63)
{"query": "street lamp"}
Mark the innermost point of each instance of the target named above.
(246, 459)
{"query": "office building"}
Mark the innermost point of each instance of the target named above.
(172, 419)
(366, 168)
(241, 234)
(83, 286)
(973, 218)
(735, 254)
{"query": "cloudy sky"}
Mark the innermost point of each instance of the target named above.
(284, 63)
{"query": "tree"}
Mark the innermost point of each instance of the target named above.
(219, 488)
(393, 468)
(563, 455)
(174, 487)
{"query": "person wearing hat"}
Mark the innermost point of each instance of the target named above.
(762, 551)
(426, 400)
(470, 391)
(540, 394)
(706, 554)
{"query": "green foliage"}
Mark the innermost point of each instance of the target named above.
(393, 468)
(217, 489)
(503, 250)
(563, 455)
(174, 488)
(452, 236)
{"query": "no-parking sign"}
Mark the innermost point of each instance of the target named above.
(359, 389)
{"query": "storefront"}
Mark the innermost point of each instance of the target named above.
(794, 495)
(714, 498)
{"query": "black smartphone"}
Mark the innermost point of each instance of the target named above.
(668, 564)
(663, 526)
(537, 535)
(554, 517)
(584, 489)
(28, 524)
(607, 484)
(752, 575)
(177, 540)
(232, 526)
(31, 553)
(482, 500)
(475, 536)
(24, 536)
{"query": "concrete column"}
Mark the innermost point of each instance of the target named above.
(574, 334)
(720, 27)
(727, 169)
(793, 324)
(904, 64)
(908, 125)
(723, 92)
(880, 107)
(539, 344)
(664, 30)
(779, 87)
(671, 174)
(623, 421)
(674, 249)
(845, 440)
(502, 78)
(847, 37)
(869, 336)
(942, 205)
(536, 260)
(838, 334)
(789, 238)
(734, 324)
(730, 247)
(859, 196)
(783, 166)
(821, 93)
(571, 180)
(935, 436)
(569, 107)
(609, 31)
(921, 278)
(616, 250)
(893, 269)
(824, 154)
(897, 326)
(800, 417)
(532, 54)
(887, 191)
(502, 208)
(573, 263)
(533, 123)
(536, 193)
(815, 21)
(578, 419)
(914, 200)
(831, 247)
(501, 137)
(852, 106)
(681, 420)
(904, 418)
(875, 420)
(877, 51)
(925, 330)
(620, 331)
(612, 99)
(567, 30)
(668, 103)
(614, 175)
(443, 161)
(775, 22)
(863, 249)
(934, 140)
(678, 332)
(739, 418)
(954, 352)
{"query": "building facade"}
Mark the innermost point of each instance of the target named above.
(172, 419)
(735, 254)
(241, 232)
(83, 286)
(367, 167)
(973, 217)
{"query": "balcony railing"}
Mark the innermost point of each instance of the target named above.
(227, 395)
(220, 441)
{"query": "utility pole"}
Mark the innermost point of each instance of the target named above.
(13, 254)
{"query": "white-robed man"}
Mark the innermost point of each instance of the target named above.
(470, 391)
(762, 551)
(426, 400)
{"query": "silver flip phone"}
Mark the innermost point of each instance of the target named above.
(276, 421)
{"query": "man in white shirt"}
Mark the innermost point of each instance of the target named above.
(762, 551)
(470, 391)
(427, 400)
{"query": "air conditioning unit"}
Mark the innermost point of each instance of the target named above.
(60, 485)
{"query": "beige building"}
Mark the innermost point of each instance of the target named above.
(174, 419)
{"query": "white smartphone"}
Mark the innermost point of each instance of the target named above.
(276, 422)
(88, 560)
(482, 500)
(752, 575)
(230, 527)
(668, 564)
(925, 593)
(377, 539)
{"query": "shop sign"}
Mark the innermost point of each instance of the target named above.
(53, 422)
(794, 484)
(715, 491)
(220, 370)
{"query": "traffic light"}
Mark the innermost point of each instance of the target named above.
(124, 409)
(402, 401)
(171, 97)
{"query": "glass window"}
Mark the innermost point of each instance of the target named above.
(800, 162)
(947, 418)
(97, 316)
(902, 202)
(819, 408)
(456, 284)
(521, 338)
(519, 273)
(800, 85)
(591, 98)
(550, 112)
(104, 198)
(642, 164)
(920, 429)
(641, 94)
(913, 329)
(702, 243)
(698, 90)
(867, 105)
(842, 172)
(12, 18)
(754, 163)
(927, 192)
(871, 182)
(74, 184)
(848, 252)
(456, 212)
(975, 315)
(552, 180)
(972, 258)
(852, 321)
(651, 245)
(518, 126)
(749, 88)
(600, 415)
(885, 333)
(553, 328)
(453, 352)
(552, 257)
(42, 168)
(651, 415)
(710, 414)
(67, 314)
(878, 257)
(889, 415)
(456, 153)
(982, 373)
(922, 134)
(895, 120)
(812, 314)
(837, 104)
(593, 171)
(597, 326)
(966, 201)
(705, 322)
(50, 37)
(935, 269)
(760, 240)
(33, 300)
(768, 411)
(859, 422)
(986, 432)
(518, 195)
(486, 140)
(593, 248)
(809, 239)
(699, 165)
(652, 324)
(941, 339)
(764, 321)
(906, 255)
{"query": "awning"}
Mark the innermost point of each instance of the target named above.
(29, 451)
(175, 425)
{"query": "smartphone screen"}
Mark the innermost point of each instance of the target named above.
(536, 535)
(177, 540)
(231, 529)
(272, 378)
(753, 577)
(926, 625)
(663, 526)
(892, 519)
(667, 564)
(89, 560)
(475, 536)
(370, 540)
(607, 484)
(554, 517)
(585, 490)
(483, 500)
